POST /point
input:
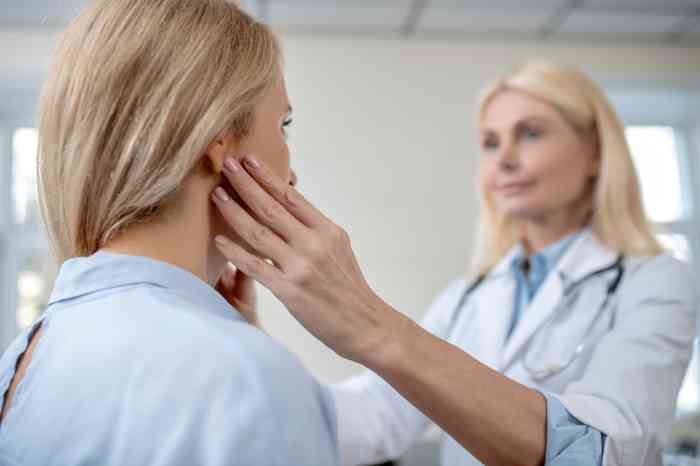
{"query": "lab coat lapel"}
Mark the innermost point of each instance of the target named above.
(544, 303)
(585, 256)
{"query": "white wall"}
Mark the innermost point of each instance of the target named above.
(384, 143)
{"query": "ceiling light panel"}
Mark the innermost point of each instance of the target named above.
(446, 16)
(386, 15)
(660, 5)
(621, 24)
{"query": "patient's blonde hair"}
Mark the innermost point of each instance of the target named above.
(618, 218)
(136, 93)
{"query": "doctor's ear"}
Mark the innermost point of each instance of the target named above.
(221, 148)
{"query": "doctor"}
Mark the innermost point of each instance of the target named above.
(566, 347)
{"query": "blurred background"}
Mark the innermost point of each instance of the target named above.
(384, 139)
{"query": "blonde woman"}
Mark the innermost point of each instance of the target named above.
(138, 360)
(569, 344)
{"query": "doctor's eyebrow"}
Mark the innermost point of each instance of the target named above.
(534, 120)
(528, 120)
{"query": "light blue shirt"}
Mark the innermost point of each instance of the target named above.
(569, 441)
(540, 264)
(142, 363)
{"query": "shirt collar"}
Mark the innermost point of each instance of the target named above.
(545, 260)
(105, 270)
(586, 255)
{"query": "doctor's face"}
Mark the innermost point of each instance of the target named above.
(534, 162)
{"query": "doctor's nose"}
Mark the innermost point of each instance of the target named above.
(508, 159)
(293, 179)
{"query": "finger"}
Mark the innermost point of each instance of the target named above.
(226, 281)
(259, 237)
(265, 208)
(238, 288)
(228, 278)
(286, 195)
(251, 265)
(244, 286)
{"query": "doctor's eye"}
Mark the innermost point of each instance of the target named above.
(531, 133)
(286, 124)
(489, 144)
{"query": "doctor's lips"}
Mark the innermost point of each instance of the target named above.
(513, 189)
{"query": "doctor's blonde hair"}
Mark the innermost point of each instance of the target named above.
(618, 219)
(137, 91)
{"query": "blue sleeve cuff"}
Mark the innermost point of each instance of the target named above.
(569, 441)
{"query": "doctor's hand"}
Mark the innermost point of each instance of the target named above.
(305, 260)
(239, 290)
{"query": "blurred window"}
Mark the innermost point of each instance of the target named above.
(33, 266)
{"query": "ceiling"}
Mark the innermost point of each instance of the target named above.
(666, 21)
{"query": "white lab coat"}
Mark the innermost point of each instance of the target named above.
(624, 384)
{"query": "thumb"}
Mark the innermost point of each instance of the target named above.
(243, 286)
(226, 283)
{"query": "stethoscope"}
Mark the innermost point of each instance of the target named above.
(539, 374)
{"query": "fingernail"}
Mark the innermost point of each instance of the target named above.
(227, 277)
(221, 240)
(251, 161)
(231, 165)
(221, 194)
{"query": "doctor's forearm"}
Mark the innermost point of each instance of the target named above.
(496, 419)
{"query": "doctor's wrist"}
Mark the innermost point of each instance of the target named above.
(388, 343)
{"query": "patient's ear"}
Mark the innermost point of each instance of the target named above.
(221, 148)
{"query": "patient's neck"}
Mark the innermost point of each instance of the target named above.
(184, 241)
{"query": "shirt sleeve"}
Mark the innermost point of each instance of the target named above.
(569, 441)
